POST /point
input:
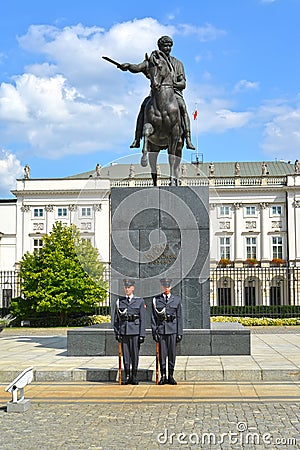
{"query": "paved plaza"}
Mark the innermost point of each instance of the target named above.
(260, 412)
(168, 425)
(275, 356)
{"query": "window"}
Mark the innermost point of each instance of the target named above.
(276, 210)
(275, 295)
(251, 247)
(249, 295)
(86, 212)
(277, 247)
(62, 212)
(38, 212)
(37, 244)
(250, 210)
(224, 211)
(224, 296)
(224, 247)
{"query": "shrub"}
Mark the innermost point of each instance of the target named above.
(258, 321)
(280, 311)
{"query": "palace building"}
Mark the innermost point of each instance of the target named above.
(254, 222)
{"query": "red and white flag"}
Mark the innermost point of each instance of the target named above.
(195, 114)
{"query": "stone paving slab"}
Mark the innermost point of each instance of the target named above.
(275, 357)
(168, 425)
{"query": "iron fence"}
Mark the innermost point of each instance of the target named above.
(255, 291)
(9, 288)
(245, 291)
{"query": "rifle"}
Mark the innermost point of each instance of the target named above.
(112, 61)
(120, 361)
(157, 362)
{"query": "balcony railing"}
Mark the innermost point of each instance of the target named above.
(203, 181)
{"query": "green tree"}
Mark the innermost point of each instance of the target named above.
(64, 277)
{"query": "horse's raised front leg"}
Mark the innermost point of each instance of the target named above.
(147, 131)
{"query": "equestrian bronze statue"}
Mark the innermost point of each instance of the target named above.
(163, 120)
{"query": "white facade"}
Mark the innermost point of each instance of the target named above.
(40, 203)
(251, 217)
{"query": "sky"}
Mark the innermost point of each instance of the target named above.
(63, 109)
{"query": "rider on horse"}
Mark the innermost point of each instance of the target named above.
(165, 44)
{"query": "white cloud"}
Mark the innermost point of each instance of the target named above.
(282, 136)
(10, 169)
(12, 108)
(55, 119)
(216, 113)
(77, 50)
(72, 101)
(245, 85)
(219, 119)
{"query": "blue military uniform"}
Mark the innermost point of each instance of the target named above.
(129, 328)
(167, 329)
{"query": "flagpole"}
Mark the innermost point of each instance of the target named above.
(197, 137)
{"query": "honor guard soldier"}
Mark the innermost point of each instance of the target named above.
(167, 328)
(129, 328)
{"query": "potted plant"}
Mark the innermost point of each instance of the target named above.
(251, 261)
(5, 321)
(277, 261)
(224, 262)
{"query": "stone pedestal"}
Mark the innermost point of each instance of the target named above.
(222, 339)
(163, 232)
(155, 233)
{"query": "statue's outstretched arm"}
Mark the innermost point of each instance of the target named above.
(134, 68)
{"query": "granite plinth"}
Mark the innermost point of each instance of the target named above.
(220, 339)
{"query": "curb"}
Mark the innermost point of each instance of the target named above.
(197, 375)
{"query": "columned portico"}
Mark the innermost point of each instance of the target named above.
(297, 232)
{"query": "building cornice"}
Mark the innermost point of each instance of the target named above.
(73, 192)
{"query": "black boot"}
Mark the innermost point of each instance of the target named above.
(135, 143)
(134, 379)
(163, 379)
(189, 142)
(126, 379)
(171, 379)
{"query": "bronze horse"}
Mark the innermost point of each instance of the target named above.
(162, 123)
